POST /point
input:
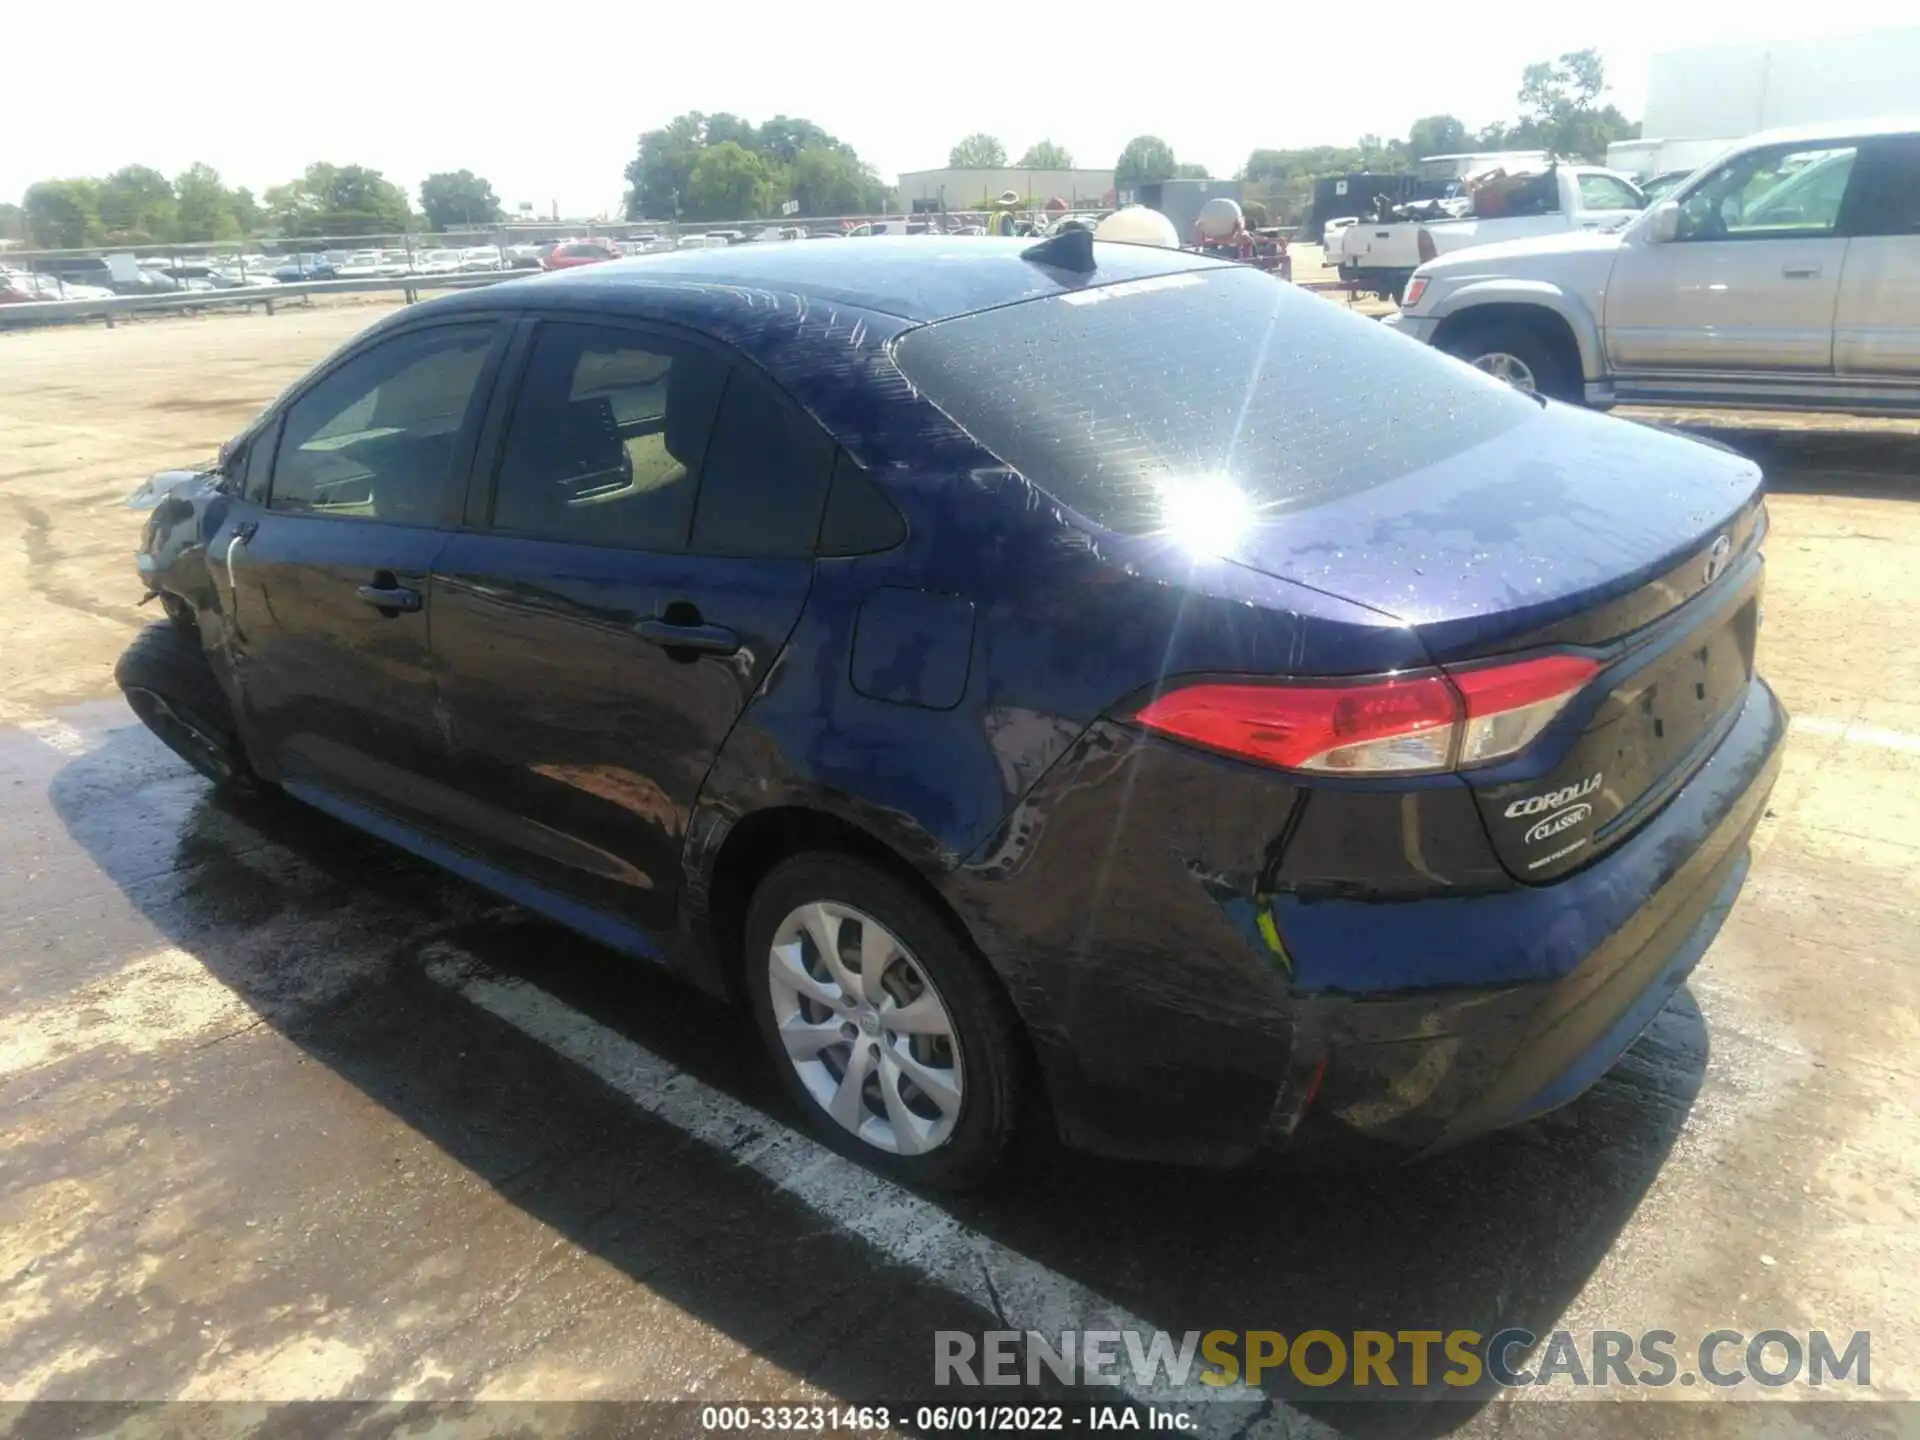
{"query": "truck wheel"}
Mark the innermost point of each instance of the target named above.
(1517, 355)
(168, 683)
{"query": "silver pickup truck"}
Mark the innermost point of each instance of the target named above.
(1784, 275)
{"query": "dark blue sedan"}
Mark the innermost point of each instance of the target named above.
(1102, 687)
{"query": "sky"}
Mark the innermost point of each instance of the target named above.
(548, 102)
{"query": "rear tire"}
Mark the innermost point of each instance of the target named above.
(962, 1038)
(1516, 354)
(169, 684)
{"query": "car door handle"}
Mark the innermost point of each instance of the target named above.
(390, 599)
(699, 638)
(1800, 272)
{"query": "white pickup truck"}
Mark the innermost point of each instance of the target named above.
(1383, 257)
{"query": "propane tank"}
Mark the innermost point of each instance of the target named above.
(1138, 225)
(1220, 219)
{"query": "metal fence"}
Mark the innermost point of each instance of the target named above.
(109, 307)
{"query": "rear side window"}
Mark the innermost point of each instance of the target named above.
(1149, 404)
(607, 438)
(765, 477)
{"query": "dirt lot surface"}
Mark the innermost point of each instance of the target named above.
(287, 1116)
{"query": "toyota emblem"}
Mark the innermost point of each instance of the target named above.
(1717, 558)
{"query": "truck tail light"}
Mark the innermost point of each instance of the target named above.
(1416, 287)
(1412, 724)
(1424, 244)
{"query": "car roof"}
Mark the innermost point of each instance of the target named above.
(1864, 129)
(915, 278)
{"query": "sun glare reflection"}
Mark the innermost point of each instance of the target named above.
(1204, 514)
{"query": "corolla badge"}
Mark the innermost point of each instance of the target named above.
(1558, 823)
(1553, 799)
(1717, 558)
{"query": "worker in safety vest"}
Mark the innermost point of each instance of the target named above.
(1000, 221)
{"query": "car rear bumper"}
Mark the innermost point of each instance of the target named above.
(1525, 996)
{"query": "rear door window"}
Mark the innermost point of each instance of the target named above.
(607, 438)
(1153, 404)
(1886, 191)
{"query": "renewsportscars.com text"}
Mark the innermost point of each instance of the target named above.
(1383, 1360)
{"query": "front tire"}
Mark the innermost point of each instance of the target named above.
(885, 1027)
(1517, 355)
(168, 683)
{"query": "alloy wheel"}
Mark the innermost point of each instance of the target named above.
(863, 1027)
(1510, 368)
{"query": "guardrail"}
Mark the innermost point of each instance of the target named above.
(106, 308)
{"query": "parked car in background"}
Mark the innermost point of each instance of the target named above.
(575, 253)
(307, 266)
(477, 258)
(968, 686)
(1786, 275)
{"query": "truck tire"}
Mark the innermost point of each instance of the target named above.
(170, 685)
(1517, 354)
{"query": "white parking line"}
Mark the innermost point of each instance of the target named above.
(907, 1229)
(54, 734)
(1857, 734)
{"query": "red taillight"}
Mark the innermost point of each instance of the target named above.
(1406, 724)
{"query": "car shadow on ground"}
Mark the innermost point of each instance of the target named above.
(1500, 1234)
(1867, 464)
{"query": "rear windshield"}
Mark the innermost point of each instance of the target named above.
(1136, 402)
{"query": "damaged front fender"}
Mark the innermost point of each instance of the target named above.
(186, 508)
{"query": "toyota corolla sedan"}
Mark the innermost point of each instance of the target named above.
(1071, 685)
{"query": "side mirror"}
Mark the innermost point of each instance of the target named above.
(1665, 224)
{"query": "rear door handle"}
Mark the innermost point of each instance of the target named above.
(1800, 272)
(390, 599)
(702, 639)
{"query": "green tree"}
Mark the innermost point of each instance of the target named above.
(1045, 155)
(1146, 160)
(1560, 107)
(339, 200)
(458, 198)
(829, 181)
(979, 151)
(203, 207)
(1191, 170)
(246, 210)
(796, 157)
(62, 214)
(13, 221)
(723, 127)
(729, 182)
(658, 174)
(136, 205)
(1436, 135)
(782, 139)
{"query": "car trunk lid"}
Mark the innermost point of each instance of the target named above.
(1636, 547)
